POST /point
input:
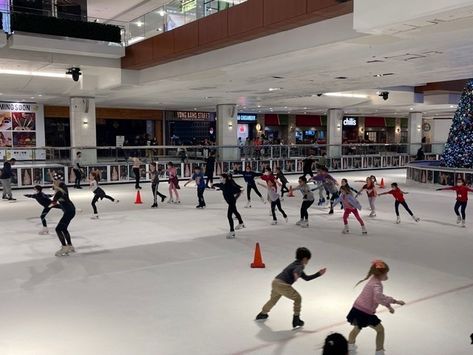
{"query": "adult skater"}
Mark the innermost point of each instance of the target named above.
(370, 188)
(398, 195)
(154, 176)
(307, 201)
(350, 205)
(282, 286)
(136, 167)
(5, 179)
(283, 181)
(173, 182)
(45, 201)
(462, 199)
(249, 177)
(328, 183)
(307, 164)
(230, 191)
(61, 197)
(210, 169)
(275, 200)
(99, 193)
(363, 313)
(198, 177)
(77, 168)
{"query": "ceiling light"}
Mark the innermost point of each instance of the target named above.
(381, 75)
(305, 108)
(342, 94)
(38, 95)
(139, 23)
(160, 29)
(341, 77)
(285, 106)
(161, 12)
(135, 39)
(33, 73)
(412, 109)
(452, 106)
(274, 89)
(259, 106)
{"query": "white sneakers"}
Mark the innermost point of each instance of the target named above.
(44, 231)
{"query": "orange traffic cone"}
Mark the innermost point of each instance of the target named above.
(290, 193)
(381, 186)
(258, 260)
(138, 198)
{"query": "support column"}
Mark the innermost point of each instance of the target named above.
(415, 132)
(227, 132)
(334, 132)
(83, 128)
(291, 130)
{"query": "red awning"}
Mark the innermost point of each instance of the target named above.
(375, 122)
(308, 121)
(271, 120)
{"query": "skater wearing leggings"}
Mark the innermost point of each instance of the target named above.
(99, 193)
(61, 197)
(350, 205)
(328, 183)
(249, 177)
(77, 168)
(398, 195)
(275, 200)
(230, 191)
(344, 182)
(154, 176)
(462, 199)
(307, 201)
(136, 171)
(173, 183)
(283, 180)
(307, 164)
(370, 188)
(45, 201)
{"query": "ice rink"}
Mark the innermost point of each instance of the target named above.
(166, 281)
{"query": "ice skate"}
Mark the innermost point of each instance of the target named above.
(305, 224)
(154, 205)
(286, 219)
(463, 223)
(170, 200)
(261, 317)
(163, 199)
(200, 206)
(373, 214)
(240, 226)
(273, 223)
(398, 220)
(63, 251)
(116, 201)
(331, 211)
(417, 219)
(346, 230)
(44, 231)
(379, 352)
(459, 220)
(299, 222)
(352, 348)
(263, 200)
(248, 204)
(70, 249)
(297, 322)
(231, 235)
(95, 216)
(363, 230)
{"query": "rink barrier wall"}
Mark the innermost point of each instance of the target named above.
(428, 172)
(26, 176)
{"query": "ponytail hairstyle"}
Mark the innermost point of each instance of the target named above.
(378, 268)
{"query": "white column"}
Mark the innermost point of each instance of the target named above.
(334, 132)
(415, 132)
(227, 134)
(83, 127)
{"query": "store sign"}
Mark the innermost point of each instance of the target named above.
(350, 122)
(247, 118)
(188, 5)
(193, 116)
(17, 107)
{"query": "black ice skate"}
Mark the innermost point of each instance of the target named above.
(261, 317)
(297, 322)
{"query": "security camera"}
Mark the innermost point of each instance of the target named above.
(74, 72)
(384, 95)
(319, 94)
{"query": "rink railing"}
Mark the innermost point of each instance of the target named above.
(40, 172)
(426, 172)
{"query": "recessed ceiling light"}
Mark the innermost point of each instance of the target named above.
(342, 94)
(161, 12)
(33, 73)
(305, 108)
(274, 89)
(452, 106)
(341, 77)
(278, 77)
(139, 23)
(40, 95)
(412, 109)
(259, 106)
(285, 106)
(195, 108)
(381, 75)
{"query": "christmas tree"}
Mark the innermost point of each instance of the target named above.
(459, 148)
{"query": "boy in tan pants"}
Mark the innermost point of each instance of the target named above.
(282, 286)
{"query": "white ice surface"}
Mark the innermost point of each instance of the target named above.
(166, 281)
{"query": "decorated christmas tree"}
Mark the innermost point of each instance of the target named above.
(459, 148)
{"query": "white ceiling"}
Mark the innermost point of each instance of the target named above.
(308, 60)
(122, 10)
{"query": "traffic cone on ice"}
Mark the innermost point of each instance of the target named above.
(290, 193)
(138, 198)
(258, 260)
(381, 186)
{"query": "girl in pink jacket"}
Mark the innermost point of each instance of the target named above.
(363, 311)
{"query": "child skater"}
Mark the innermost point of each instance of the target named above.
(173, 182)
(344, 182)
(198, 177)
(45, 201)
(154, 176)
(350, 205)
(370, 188)
(328, 183)
(231, 191)
(282, 285)
(307, 201)
(362, 314)
(398, 195)
(275, 200)
(136, 171)
(283, 180)
(61, 197)
(249, 177)
(99, 193)
(462, 199)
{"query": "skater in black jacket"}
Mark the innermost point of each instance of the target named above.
(45, 201)
(231, 191)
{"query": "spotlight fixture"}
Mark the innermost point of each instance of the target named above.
(384, 95)
(74, 72)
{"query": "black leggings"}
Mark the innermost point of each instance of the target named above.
(44, 213)
(404, 204)
(284, 189)
(210, 178)
(78, 179)
(249, 187)
(101, 196)
(232, 210)
(156, 193)
(277, 204)
(200, 196)
(460, 205)
(304, 208)
(136, 172)
(61, 228)
(333, 198)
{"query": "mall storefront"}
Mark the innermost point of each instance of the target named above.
(189, 127)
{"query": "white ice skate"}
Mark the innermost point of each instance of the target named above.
(170, 200)
(286, 219)
(346, 230)
(231, 235)
(417, 219)
(363, 230)
(240, 226)
(352, 348)
(117, 201)
(299, 222)
(373, 214)
(398, 220)
(273, 223)
(248, 204)
(305, 224)
(44, 231)
(463, 224)
(95, 216)
(459, 220)
(63, 251)
(263, 200)
(177, 202)
(70, 249)
(379, 352)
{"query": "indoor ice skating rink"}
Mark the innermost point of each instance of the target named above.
(166, 281)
